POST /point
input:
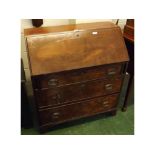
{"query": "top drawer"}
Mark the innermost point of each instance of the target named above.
(75, 76)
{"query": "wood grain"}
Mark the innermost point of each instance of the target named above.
(75, 76)
(71, 27)
(70, 50)
(76, 70)
(77, 110)
(75, 92)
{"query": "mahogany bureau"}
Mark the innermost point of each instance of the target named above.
(76, 71)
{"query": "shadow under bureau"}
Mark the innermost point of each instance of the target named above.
(76, 71)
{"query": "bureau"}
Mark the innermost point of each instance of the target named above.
(76, 71)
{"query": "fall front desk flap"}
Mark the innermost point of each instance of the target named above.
(60, 48)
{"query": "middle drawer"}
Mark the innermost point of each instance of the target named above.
(75, 92)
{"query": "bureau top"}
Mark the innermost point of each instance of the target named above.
(60, 48)
(71, 27)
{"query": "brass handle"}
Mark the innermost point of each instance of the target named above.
(53, 82)
(108, 86)
(55, 115)
(111, 72)
(105, 103)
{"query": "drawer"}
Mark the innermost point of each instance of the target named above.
(75, 76)
(77, 110)
(47, 98)
(76, 92)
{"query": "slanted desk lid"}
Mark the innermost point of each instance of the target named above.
(75, 48)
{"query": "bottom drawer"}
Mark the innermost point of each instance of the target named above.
(77, 110)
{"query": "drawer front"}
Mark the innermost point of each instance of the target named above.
(76, 92)
(75, 76)
(80, 109)
(47, 98)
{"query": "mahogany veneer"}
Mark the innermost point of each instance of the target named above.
(77, 70)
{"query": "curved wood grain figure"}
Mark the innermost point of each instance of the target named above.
(77, 70)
